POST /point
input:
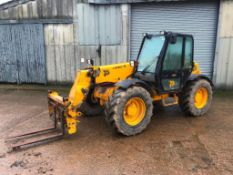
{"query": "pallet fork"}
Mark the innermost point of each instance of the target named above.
(56, 112)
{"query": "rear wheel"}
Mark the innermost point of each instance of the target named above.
(196, 98)
(129, 111)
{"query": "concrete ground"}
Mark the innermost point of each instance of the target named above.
(172, 144)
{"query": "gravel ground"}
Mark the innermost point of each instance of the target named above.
(172, 144)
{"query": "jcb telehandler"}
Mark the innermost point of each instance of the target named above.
(163, 71)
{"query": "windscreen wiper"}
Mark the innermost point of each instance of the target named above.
(148, 66)
(145, 69)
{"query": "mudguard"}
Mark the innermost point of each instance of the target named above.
(125, 84)
(200, 76)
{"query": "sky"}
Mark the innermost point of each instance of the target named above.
(3, 1)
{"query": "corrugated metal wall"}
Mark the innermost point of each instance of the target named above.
(223, 74)
(196, 18)
(8, 61)
(22, 57)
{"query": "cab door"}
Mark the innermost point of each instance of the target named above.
(171, 67)
(187, 59)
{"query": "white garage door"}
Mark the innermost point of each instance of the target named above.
(196, 18)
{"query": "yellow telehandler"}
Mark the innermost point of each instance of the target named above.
(163, 71)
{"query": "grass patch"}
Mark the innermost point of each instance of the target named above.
(63, 89)
(223, 93)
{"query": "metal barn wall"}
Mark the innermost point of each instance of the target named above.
(60, 52)
(65, 46)
(8, 61)
(99, 24)
(39, 9)
(120, 1)
(196, 18)
(22, 58)
(58, 39)
(105, 26)
(223, 74)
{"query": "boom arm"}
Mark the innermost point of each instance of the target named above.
(84, 80)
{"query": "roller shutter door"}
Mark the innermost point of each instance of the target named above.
(196, 18)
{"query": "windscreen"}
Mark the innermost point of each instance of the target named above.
(149, 54)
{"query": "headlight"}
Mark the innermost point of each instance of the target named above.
(134, 63)
(82, 60)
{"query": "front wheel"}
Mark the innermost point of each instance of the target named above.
(129, 111)
(196, 98)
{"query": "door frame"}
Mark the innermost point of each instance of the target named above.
(181, 71)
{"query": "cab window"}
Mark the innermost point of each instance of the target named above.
(188, 53)
(173, 56)
(149, 54)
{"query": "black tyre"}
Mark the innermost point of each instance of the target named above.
(91, 108)
(129, 111)
(196, 98)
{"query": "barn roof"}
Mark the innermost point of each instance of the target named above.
(123, 1)
(4, 4)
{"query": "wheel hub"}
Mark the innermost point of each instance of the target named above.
(134, 111)
(201, 97)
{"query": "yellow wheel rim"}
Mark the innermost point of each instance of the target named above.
(134, 111)
(201, 98)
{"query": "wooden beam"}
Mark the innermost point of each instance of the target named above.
(123, 1)
(38, 21)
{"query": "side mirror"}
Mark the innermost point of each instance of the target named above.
(90, 61)
(173, 39)
(148, 36)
